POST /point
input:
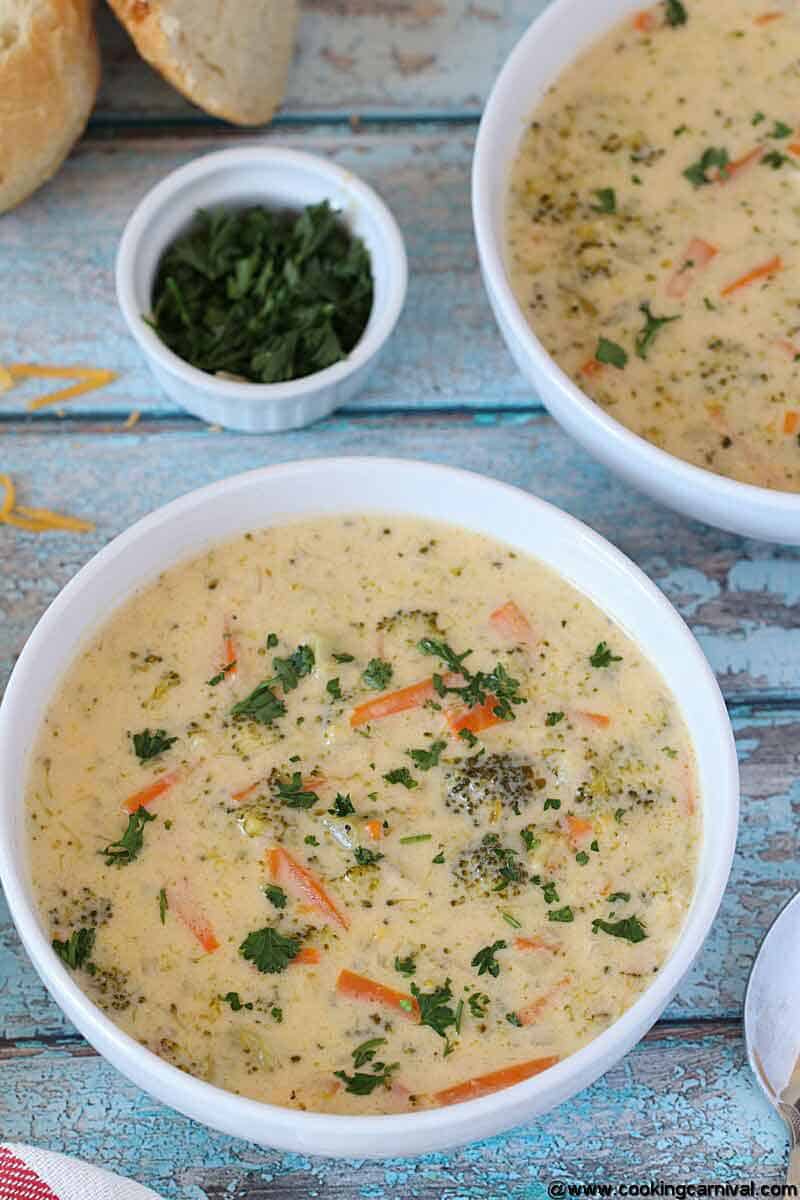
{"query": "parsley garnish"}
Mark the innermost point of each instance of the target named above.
(401, 775)
(439, 858)
(406, 966)
(149, 745)
(343, 658)
(77, 948)
(129, 846)
(758, 118)
(646, 336)
(617, 896)
(366, 858)
(362, 1084)
(610, 353)
(697, 172)
(269, 296)
(606, 200)
(235, 1002)
(333, 689)
(468, 736)
(276, 895)
(163, 905)
(485, 959)
(553, 718)
(220, 675)
(272, 641)
(477, 687)
(261, 705)
(269, 950)
(676, 13)
(377, 674)
(425, 759)
(434, 1009)
(781, 130)
(478, 1003)
(367, 1051)
(289, 671)
(630, 929)
(560, 914)
(552, 802)
(513, 1019)
(293, 794)
(581, 858)
(550, 893)
(775, 160)
(342, 806)
(601, 656)
(529, 838)
(511, 920)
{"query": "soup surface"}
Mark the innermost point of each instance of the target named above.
(652, 231)
(295, 839)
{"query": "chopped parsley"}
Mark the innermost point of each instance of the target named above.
(529, 838)
(630, 929)
(647, 335)
(221, 673)
(485, 960)
(366, 1051)
(310, 840)
(129, 846)
(276, 895)
(163, 906)
(513, 1019)
(610, 353)
(564, 915)
(289, 671)
(712, 157)
(293, 794)
(601, 656)
(553, 718)
(333, 688)
(468, 736)
(235, 1001)
(342, 806)
(377, 674)
(775, 160)
(478, 1004)
(75, 951)
(272, 641)
(552, 802)
(676, 13)
(262, 705)
(343, 658)
(434, 1009)
(550, 893)
(269, 950)
(367, 858)
(581, 858)
(781, 130)
(405, 966)
(361, 1084)
(478, 687)
(401, 775)
(425, 759)
(149, 745)
(439, 859)
(615, 897)
(606, 200)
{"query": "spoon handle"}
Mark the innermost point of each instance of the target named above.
(791, 1115)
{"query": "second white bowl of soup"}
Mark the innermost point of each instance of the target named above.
(634, 188)
(363, 831)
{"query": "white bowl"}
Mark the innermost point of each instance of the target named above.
(553, 41)
(280, 179)
(327, 486)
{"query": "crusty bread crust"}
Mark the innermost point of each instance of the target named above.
(49, 75)
(231, 59)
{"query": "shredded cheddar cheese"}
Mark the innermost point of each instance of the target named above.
(35, 520)
(88, 378)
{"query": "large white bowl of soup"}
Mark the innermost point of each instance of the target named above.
(636, 185)
(363, 807)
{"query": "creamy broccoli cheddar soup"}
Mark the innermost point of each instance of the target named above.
(363, 815)
(653, 231)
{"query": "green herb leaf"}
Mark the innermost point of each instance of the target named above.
(553, 718)
(149, 745)
(775, 160)
(343, 658)
(478, 1004)
(529, 838)
(362, 1084)
(477, 687)
(129, 846)
(333, 689)
(676, 13)
(415, 837)
(606, 200)
(552, 802)
(511, 920)
(342, 806)
(366, 858)
(434, 1009)
(601, 656)
(610, 353)
(293, 794)
(582, 858)
(378, 674)
(439, 858)
(367, 1051)
(560, 914)
(468, 736)
(272, 641)
(235, 1001)
(550, 893)
(401, 775)
(269, 950)
(425, 759)
(513, 1019)
(647, 335)
(75, 951)
(289, 671)
(781, 130)
(630, 929)
(406, 966)
(276, 895)
(262, 705)
(698, 172)
(617, 897)
(163, 906)
(485, 960)
(758, 118)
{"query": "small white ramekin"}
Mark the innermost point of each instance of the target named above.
(553, 41)
(281, 179)
(334, 487)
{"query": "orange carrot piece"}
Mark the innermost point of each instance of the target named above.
(358, 987)
(306, 887)
(510, 621)
(413, 696)
(591, 367)
(146, 796)
(696, 257)
(183, 905)
(309, 783)
(764, 271)
(733, 169)
(578, 829)
(535, 943)
(307, 956)
(482, 1085)
(476, 719)
(375, 829)
(793, 147)
(238, 797)
(229, 655)
(644, 21)
(791, 420)
(598, 719)
(531, 1013)
(767, 18)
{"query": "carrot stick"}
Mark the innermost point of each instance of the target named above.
(182, 903)
(229, 656)
(767, 17)
(531, 1013)
(374, 828)
(578, 830)
(308, 956)
(763, 271)
(304, 885)
(643, 21)
(476, 719)
(598, 719)
(482, 1085)
(238, 797)
(791, 420)
(794, 147)
(697, 255)
(358, 987)
(146, 796)
(591, 367)
(534, 943)
(733, 169)
(413, 696)
(510, 621)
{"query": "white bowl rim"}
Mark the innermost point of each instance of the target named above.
(532, 43)
(151, 1072)
(381, 321)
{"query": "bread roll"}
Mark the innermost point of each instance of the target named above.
(230, 59)
(49, 74)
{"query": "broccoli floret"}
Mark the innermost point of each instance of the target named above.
(111, 987)
(490, 866)
(84, 908)
(483, 788)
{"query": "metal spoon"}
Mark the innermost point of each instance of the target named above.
(772, 1023)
